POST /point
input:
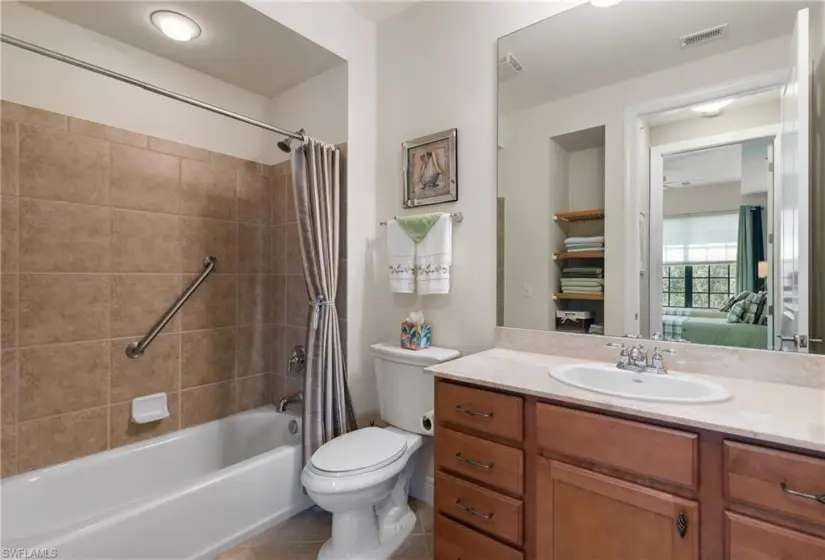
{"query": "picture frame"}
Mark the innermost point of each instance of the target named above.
(431, 169)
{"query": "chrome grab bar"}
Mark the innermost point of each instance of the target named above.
(815, 497)
(135, 350)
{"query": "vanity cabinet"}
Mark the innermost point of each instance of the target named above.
(520, 477)
(583, 515)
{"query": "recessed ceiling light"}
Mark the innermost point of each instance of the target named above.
(176, 26)
(713, 108)
(604, 3)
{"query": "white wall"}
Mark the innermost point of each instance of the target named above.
(586, 183)
(318, 105)
(606, 107)
(751, 116)
(437, 64)
(34, 80)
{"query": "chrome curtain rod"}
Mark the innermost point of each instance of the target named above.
(31, 47)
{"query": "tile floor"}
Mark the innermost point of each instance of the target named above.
(301, 537)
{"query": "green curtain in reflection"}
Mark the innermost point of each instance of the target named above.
(750, 247)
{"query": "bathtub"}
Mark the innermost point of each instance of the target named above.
(191, 494)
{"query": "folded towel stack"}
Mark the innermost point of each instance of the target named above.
(582, 280)
(582, 244)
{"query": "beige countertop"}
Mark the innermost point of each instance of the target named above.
(771, 412)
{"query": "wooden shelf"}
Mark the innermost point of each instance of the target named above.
(575, 296)
(579, 215)
(578, 255)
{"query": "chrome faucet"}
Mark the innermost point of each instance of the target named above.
(635, 358)
(297, 398)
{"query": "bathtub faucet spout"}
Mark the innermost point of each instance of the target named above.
(297, 398)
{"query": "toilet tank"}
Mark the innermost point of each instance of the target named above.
(405, 392)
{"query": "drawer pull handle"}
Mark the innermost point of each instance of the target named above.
(473, 462)
(473, 511)
(472, 412)
(815, 497)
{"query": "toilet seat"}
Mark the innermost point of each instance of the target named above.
(358, 452)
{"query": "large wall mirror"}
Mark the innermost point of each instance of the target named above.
(654, 174)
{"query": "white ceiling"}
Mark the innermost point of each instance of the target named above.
(704, 167)
(378, 11)
(238, 45)
(585, 47)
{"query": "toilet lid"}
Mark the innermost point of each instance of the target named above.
(359, 451)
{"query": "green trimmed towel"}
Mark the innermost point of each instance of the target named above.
(582, 289)
(417, 226)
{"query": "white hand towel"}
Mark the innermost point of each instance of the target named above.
(434, 256)
(401, 253)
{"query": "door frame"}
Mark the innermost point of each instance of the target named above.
(634, 251)
(656, 213)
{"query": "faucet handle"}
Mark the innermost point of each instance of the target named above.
(620, 345)
(658, 350)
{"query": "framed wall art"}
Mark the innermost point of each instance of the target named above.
(431, 169)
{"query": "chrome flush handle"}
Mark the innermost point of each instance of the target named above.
(815, 497)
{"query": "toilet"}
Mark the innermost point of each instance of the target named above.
(363, 477)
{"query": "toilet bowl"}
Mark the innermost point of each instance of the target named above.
(364, 482)
(363, 477)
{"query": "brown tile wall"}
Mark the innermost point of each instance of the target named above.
(101, 230)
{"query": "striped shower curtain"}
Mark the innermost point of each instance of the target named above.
(316, 180)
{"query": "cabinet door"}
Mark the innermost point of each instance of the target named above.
(582, 515)
(749, 539)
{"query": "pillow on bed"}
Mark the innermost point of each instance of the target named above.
(737, 311)
(761, 311)
(733, 299)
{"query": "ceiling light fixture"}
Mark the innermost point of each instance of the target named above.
(176, 26)
(713, 108)
(604, 3)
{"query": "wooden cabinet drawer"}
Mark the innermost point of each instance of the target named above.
(484, 411)
(755, 476)
(454, 541)
(749, 539)
(491, 463)
(476, 506)
(650, 451)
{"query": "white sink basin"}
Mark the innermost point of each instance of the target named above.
(671, 387)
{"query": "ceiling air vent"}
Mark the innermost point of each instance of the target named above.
(704, 36)
(508, 67)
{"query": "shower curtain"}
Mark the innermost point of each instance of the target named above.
(328, 412)
(750, 248)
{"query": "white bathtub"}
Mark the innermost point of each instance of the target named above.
(187, 495)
